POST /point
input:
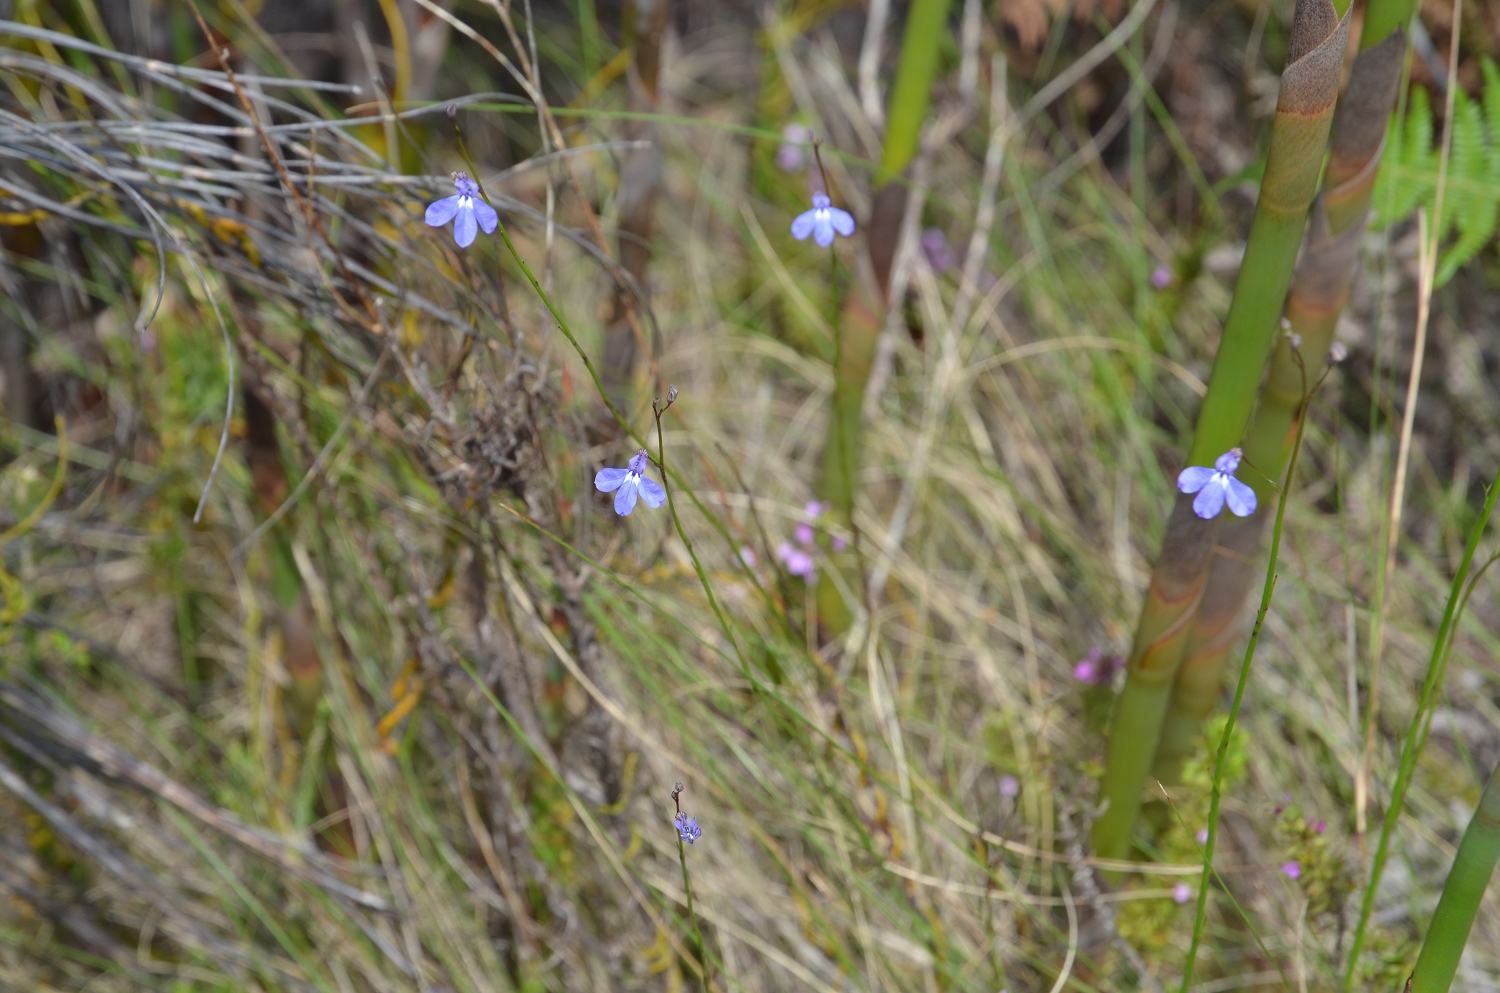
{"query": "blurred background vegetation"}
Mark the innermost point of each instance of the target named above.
(324, 667)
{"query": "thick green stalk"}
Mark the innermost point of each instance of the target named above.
(862, 319)
(1319, 292)
(1453, 918)
(913, 91)
(859, 324)
(1299, 135)
(1411, 748)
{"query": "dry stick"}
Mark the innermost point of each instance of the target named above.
(1429, 237)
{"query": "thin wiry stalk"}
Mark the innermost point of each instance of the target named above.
(1200, 913)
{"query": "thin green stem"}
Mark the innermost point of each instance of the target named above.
(1411, 749)
(687, 888)
(708, 589)
(1239, 698)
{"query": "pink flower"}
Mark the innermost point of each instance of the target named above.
(797, 562)
(939, 253)
(1010, 787)
(791, 156)
(1182, 893)
(804, 534)
(839, 544)
(747, 556)
(1096, 668)
(1161, 277)
(1202, 836)
(1292, 869)
(1319, 827)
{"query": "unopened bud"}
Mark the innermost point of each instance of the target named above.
(1286, 324)
(1337, 352)
(671, 394)
(1295, 340)
(452, 111)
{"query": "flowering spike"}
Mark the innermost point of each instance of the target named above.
(1217, 486)
(822, 221)
(629, 483)
(467, 212)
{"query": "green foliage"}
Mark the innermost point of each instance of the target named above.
(1409, 171)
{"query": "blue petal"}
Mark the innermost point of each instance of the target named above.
(1194, 478)
(1241, 498)
(843, 221)
(1210, 501)
(625, 499)
(464, 228)
(442, 211)
(488, 219)
(823, 229)
(803, 225)
(609, 480)
(652, 493)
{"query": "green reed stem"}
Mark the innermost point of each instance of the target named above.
(1299, 136)
(1239, 696)
(1324, 277)
(912, 93)
(1453, 917)
(1411, 748)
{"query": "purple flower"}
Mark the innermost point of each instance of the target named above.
(839, 544)
(1292, 869)
(1096, 668)
(804, 534)
(791, 157)
(1202, 836)
(939, 253)
(797, 562)
(1161, 277)
(1182, 893)
(822, 221)
(687, 827)
(1319, 827)
(471, 213)
(813, 509)
(1010, 787)
(630, 483)
(1217, 486)
(747, 556)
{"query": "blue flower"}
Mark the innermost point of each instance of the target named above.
(687, 827)
(822, 221)
(472, 213)
(630, 482)
(1217, 486)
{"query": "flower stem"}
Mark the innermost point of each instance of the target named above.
(1239, 696)
(687, 888)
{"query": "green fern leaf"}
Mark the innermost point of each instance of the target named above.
(1475, 203)
(1408, 171)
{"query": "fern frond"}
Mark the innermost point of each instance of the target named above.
(1409, 171)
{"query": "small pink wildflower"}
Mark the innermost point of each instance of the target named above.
(1182, 893)
(1292, 869)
